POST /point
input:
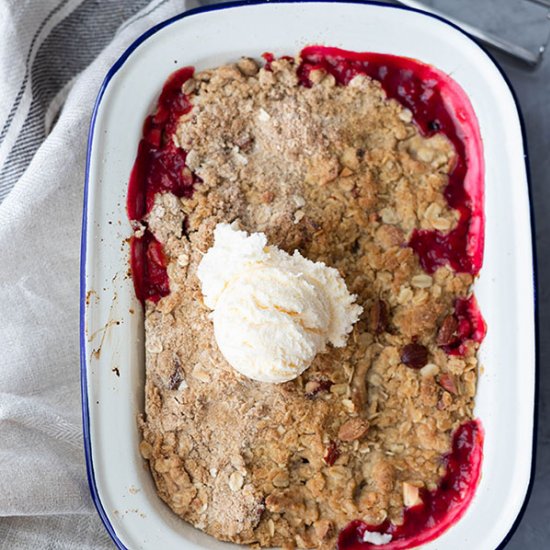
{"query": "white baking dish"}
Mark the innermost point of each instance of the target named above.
(112, 321)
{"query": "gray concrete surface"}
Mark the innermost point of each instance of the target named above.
(533, 92)
(532, 88)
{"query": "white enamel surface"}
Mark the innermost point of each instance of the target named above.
(504, 290)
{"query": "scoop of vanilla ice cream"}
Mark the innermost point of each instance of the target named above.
(272, 312)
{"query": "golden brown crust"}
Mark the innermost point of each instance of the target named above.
(342, 174)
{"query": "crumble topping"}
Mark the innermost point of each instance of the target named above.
(342, 175)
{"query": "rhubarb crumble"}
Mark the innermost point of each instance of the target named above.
(331, 160)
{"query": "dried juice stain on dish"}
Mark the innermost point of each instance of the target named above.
(440, 508)
(437, 106)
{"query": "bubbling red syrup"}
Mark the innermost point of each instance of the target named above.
(148, 265)
(438, 105)
(159, 167)
(268, 57)
(471, 325)
(440, 508)
(160, 164)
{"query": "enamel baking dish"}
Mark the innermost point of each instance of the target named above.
(112, 355)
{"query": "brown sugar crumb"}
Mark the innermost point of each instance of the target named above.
(343, 175)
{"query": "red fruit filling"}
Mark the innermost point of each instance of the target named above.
(471, 325)
(159, 167)
(440, 508)
(148, 265)
(438, 105)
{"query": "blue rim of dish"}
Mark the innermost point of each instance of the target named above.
(83, 363)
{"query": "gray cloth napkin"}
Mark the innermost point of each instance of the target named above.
(54, 55)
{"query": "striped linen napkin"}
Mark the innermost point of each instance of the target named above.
(54, 55)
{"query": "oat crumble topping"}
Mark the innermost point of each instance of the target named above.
(342, 174)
